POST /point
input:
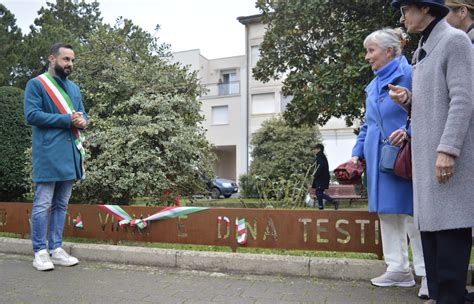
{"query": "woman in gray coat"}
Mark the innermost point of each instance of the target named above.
(442, 145)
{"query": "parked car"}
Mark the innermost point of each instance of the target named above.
(222, 186)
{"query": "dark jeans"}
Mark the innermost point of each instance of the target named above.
(447, 254)
(320, 196)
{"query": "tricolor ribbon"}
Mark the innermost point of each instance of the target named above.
(169, 212)
(241, 231)
(78, 224)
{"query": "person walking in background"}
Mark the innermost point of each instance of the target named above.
(441, 104)
(389, 195)
(461, 16)
(53, 107)
(322, 177)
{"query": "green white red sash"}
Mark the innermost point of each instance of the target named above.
(168, 212)
(64, 104)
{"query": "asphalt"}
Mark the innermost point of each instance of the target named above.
(93, 282)
(122, 274)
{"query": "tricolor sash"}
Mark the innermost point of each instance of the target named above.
(64, 104)
(166, 213)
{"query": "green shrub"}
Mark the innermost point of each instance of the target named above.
(144, 136)
(15, 139)
(248, 186)
(281, 151)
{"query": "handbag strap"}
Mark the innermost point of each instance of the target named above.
(378, 117)
(407, 125)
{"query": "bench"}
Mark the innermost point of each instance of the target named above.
(343, 192)
(340, 192)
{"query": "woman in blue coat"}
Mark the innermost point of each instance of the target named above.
(389, 195)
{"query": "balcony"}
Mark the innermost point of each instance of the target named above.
(231, 88)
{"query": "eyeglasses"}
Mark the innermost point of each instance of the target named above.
(403, 10)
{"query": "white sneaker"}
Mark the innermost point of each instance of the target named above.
(62, 258)
(42, 261)
(398, 279)
(423, 292)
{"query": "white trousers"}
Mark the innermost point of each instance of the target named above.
(394, 231)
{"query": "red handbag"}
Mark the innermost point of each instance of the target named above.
(349, 172)
(402, 166)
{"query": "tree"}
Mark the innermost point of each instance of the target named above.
(281, 151)
(63, 21)
(15, 138)
(315, 46)
(144, 136)
(282, 165)
(10, 37)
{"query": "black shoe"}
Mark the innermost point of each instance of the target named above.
(321, 208)
(469, 297)
(336, 205)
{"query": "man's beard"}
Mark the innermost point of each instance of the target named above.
(61, 72)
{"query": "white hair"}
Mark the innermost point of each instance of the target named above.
(387, 38)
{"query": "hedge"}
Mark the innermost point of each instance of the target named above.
(15, 137)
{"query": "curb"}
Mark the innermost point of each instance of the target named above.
(243, 263)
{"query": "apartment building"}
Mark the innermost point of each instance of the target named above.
(236, 105)
(224, 108)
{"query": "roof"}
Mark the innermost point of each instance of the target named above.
(245, 20)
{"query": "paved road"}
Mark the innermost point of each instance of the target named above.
(110, 283)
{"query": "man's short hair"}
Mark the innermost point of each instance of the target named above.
(55, 48)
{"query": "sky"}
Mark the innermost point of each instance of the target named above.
(208, 25)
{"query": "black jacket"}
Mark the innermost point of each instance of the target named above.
(321, 176)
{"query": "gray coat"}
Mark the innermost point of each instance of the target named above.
(443, 121)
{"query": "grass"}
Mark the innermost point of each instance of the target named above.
(246, 203)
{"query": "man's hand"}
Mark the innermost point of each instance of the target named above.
(444, 167)
(398, 94)
(78, 121)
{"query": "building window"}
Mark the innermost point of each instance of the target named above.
(263, 103)
(285, 100)
(254, 55)
(228, 83)
(220, 115)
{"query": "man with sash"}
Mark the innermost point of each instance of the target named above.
(53, 107)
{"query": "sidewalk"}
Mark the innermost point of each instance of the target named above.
(107, 274)
(227, 262)
(93, 282)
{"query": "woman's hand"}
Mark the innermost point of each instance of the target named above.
(398, 94)
(397, 137)
(444, 167)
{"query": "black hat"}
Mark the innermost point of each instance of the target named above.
(437, 5)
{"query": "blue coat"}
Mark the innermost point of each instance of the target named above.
(387, 193)
(55, 156)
